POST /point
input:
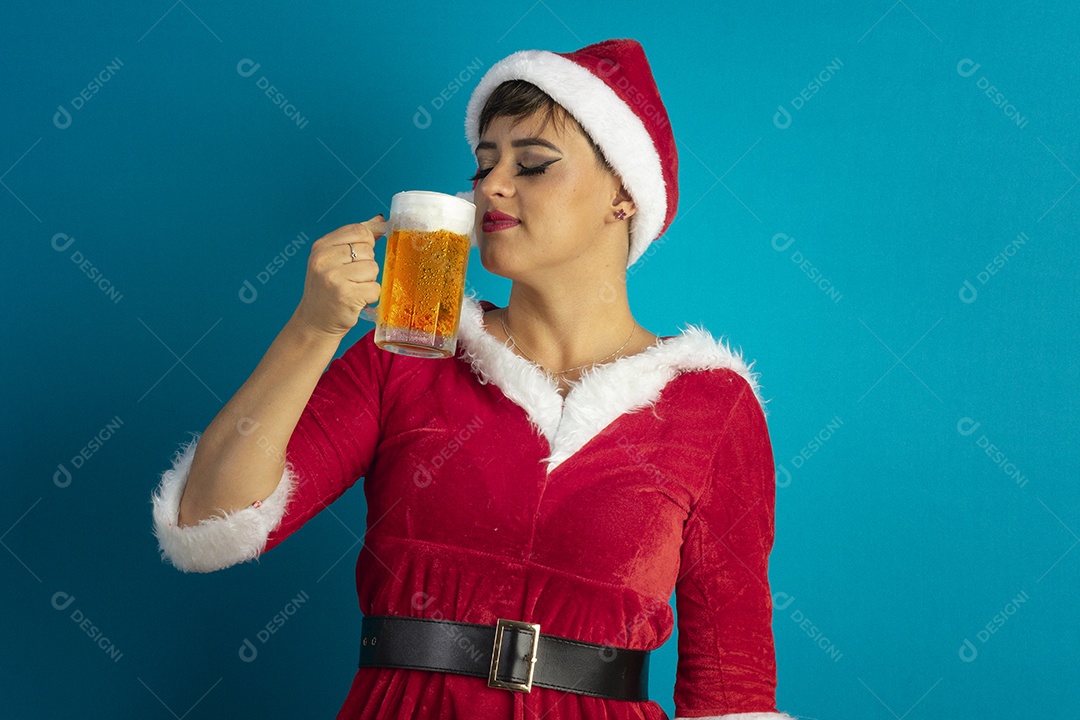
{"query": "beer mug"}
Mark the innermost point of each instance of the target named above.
(423, 282)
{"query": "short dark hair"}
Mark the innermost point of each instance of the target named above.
(520, 99)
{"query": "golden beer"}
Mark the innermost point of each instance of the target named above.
(422, 288)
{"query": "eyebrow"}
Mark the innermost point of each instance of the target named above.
(523, 142)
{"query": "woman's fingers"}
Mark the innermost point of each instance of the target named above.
(337, 285)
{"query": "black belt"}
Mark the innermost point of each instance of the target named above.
(512, 655)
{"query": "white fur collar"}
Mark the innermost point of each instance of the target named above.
(602, 394)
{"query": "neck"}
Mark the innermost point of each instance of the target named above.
(573, 323)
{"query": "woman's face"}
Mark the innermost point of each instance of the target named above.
(548, 180)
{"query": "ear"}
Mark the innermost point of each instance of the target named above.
(623, 201)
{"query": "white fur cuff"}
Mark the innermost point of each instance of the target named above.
(216, 542)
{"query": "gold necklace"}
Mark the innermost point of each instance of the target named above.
(569, 370)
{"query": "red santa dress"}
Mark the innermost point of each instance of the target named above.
(490, 496)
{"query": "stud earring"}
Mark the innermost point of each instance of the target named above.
(620, 215)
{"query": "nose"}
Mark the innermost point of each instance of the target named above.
(497, 183)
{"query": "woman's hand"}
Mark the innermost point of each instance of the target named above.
(337, 287)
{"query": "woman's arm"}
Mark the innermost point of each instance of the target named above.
(727, 662)
(332, 445)
(230, 488)
(240, 458)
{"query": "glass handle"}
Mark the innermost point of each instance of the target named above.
(370, 313)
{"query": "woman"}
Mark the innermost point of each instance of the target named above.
(534, 502)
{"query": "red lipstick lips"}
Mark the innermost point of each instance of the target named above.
(494, 221)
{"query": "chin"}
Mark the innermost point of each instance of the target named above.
(497, 258)
(491, 260)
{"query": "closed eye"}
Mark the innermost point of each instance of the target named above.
(523, 170)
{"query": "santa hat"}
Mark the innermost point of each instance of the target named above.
(609, 89)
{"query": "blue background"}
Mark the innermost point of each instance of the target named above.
(898, 180)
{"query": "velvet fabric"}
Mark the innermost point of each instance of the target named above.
(465, 524)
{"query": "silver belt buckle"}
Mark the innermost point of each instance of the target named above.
(500, 627)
